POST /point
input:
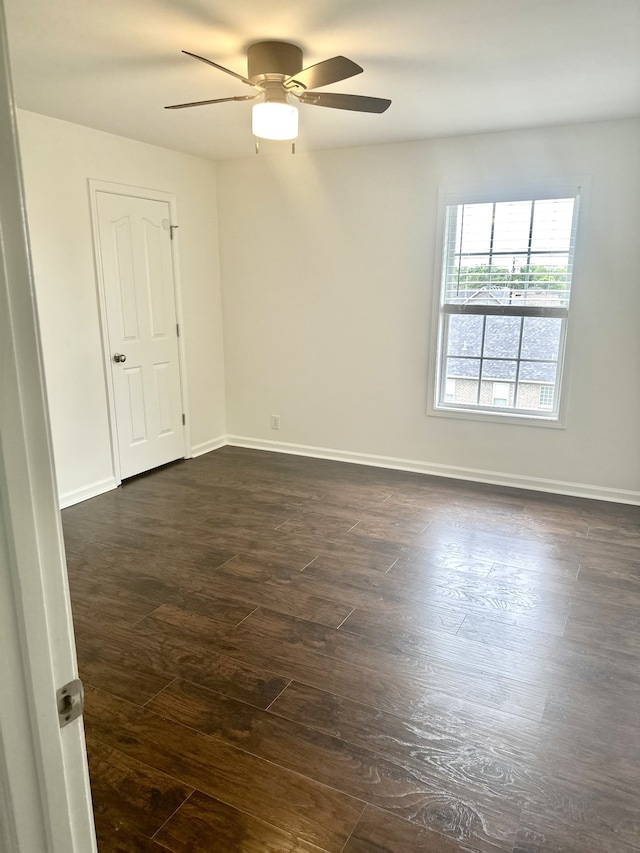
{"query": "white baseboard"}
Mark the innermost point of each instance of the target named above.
(86, 492)
(495, 478)
(208, 446)
(536, 484)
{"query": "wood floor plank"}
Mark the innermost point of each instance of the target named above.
(131, 842)
(392, 582)
(144, 592)
(569, 753)
(614, 626)
(393, 529)
(92, 605)
(621, 574)
(381, 832)
(486, 595)
(101, 663)
(560, 657)
(491, 631)
(204, 825)
(566, 816)
(129, 796)
(293, 802)
(578, 591)
(529, 551)
(153, 660)
(161, 558)
(593, 706)
(378, 556)
(393, 692)
(398, 618)
(522, 526)
(282, 590)
(624, 533)
(453, 650)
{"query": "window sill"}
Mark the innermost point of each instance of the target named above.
(497, 418)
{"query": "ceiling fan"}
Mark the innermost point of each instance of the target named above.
(276, 74)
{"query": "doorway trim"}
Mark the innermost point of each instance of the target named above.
(95, 187)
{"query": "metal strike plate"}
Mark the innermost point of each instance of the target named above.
(70, 702)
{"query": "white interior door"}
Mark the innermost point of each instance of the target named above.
(137, 274)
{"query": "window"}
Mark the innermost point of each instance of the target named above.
(545, 397)
(505, 287)
(500, 394)
(450, 390)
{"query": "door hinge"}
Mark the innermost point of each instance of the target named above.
(184, 419)
(178, 329)
(172, 228)
(70, 698)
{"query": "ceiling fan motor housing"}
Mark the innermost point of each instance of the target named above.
(273, 61)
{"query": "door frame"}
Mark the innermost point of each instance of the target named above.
(45, 799)
(96, 186)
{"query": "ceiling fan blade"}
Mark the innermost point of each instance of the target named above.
(358, 103)
(214, 101)
(222, 68)
(323, 73)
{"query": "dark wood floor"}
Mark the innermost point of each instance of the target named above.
(285, 654)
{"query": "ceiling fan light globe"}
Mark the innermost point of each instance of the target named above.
(274, 121)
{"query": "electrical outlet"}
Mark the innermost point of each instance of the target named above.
(275, 421)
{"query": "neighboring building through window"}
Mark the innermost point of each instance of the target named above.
(505, 288)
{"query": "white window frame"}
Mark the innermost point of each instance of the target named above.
(486, 193)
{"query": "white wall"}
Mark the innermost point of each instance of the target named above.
(327, 265)
(58, 159)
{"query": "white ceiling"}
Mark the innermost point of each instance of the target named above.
(449, 66)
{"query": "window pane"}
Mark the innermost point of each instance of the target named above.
(527, 245)
(541, 337)
(499, 369)
(462, 379)
(475, 222)
(511, 227)
(450, 391)
(465, 335)
(502, 337)
(552, 222)
(463, 367)
(466, 276)
(474, 273)
(538, 371)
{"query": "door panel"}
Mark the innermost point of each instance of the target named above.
(138, 429)
(125, 279)
(137, 271)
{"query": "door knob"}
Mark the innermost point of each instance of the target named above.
(119, 358)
